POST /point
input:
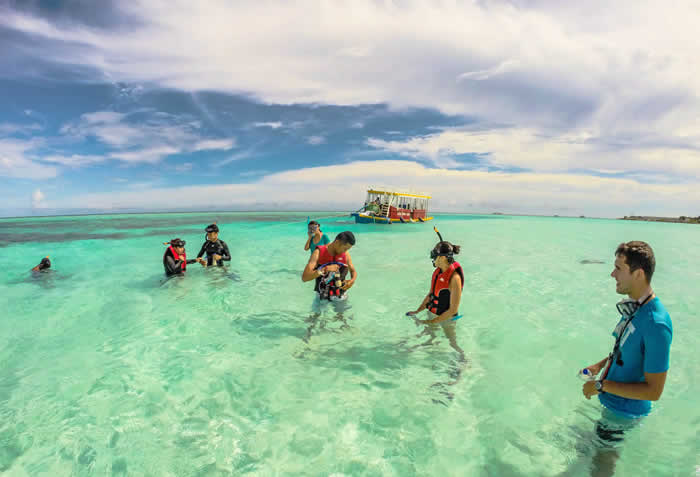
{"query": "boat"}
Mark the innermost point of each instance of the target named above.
(387, 206)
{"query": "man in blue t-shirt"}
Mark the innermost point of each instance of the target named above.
(634, 373)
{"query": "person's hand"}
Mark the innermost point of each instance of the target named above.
(595, 369)
(348, 284)
(216, 257)
(589, 389)
(203, 263)
(199, 259)
(412, 313)
(330, 268)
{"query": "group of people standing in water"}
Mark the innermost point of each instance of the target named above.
(625, 381)
(214, 253)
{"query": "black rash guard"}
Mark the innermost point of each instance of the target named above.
(172, 266)
(215, 248)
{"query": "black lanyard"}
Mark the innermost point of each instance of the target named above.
(616, 353)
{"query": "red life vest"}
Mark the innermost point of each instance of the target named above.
(325, 257)
(177, 257)
(439, 301)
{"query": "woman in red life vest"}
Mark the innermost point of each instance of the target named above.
(174, 259)
(442, 301)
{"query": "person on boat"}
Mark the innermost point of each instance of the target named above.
(634, 373)
(215, 249)
(445, 293)
(316, 237)
(372, 208)
(174, 259)
(329, 264)
(43, 266)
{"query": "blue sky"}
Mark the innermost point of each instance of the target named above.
(520, 106)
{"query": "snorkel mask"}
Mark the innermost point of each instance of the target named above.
(627, 307)
(176, 243)
(435, 253)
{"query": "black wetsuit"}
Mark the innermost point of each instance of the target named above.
(215, 248)
(172, 266)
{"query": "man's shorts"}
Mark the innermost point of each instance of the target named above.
(610, 429)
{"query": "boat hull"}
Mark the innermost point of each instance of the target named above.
(371, 219)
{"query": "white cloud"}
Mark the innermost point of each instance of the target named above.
(144, 136)
(37, 198)
(408, 54)
(17, 160)
(7, 129)
(315, 140)
(74, 160)
(471, 191)
(504, 67)
(530, 149)
(214, 144)
(152, 154)
(268, 124)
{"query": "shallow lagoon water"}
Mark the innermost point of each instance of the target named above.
(106, 369)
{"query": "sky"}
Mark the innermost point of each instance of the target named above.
(524, 107)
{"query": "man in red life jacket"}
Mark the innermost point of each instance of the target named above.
(332, 258)
(174, 259)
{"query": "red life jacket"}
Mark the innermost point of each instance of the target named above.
(439, 301)
(177, 257)
(325, 257)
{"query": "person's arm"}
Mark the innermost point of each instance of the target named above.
(596, 368)
(225, 254)
(657, 348)
(421, 307)
(310, 272)
(308, 243)
(189, 262)
(455, 298)
(353, 273)
(172, 266)
(649, 390)
(202, 250)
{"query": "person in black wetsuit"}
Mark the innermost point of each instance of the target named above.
(44, 265)
(174, 259)
(216, 250)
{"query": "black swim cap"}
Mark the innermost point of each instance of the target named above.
(176, 242)
(212, 228)
(45, 263)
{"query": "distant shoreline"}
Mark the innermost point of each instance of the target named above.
(676, 220)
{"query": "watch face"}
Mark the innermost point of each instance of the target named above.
(598, 385)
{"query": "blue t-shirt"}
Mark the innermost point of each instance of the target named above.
(324, 241)
(645, 347)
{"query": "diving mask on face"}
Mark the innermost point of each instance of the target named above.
(627, 307)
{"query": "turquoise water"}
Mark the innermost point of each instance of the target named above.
(106, 370)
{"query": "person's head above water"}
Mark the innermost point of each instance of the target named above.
(314, 226)
(443, 254)
(45, 264)
(634, 267)
(342, 243)
(178, 245)
(212, 232)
